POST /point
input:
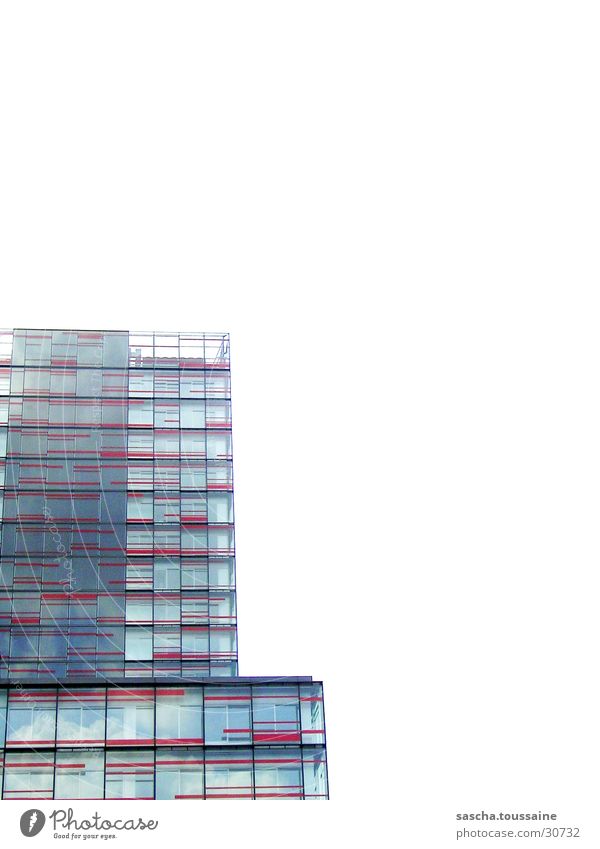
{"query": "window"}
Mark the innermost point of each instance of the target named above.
(4, 381)
(79, 775)
(166, 474)
(194, 643)
(221, 572)
(219, 475)
(3, 697)
(228, 774)
(222, 642)
(218, 446)
(166, 507)
(278, 774)
(89, 349)
(31, 717)
(193, 444)
(115, 349)
(63, 382)
(89, 382)
(166, 573)
(166, 540)
(140, 413)
(139, 507)
(192, 384)
(193, 539)
(221, 608)
(311, 709)
(129, 775)
(64, 346)
(138, 541)
(193, 508)
(166, 414)
(138, 644)
(17, 378)
(37, 381)
(194, 609)
(130, 717)
(220, 540)
(179, 715)
(167, 609)
(227, 715)
(39, 412)
(166, 384)
(18, 353)
(140, 474)
(28, 775)
(139, 608)
(194, 572)
(276, 715)
(139, 574)
(193, 474)
(193, 414)
(315, 774)
(140, 444)
(167, 649)
(114, 414)
(179, 774)
(166, 444)
(220, 507)
(141, 384)
(218, 413)
(217, 385)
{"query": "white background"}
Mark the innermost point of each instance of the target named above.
(394, 210)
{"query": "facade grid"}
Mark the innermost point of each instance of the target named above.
(118, 630)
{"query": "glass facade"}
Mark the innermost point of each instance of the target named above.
(192, 741)
(117, 563)
(117, 550)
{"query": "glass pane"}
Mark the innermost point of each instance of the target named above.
(28, 775)
(276, 714)
(31, 718)
(3, 699)
(315, 774)
(278, 774)
(129, 775)
(141, 413)
(130, 717)
(227, 715)
(138, 644)
(311, 708)
(179, 715)
(79, 775)
(179, 774)
(220, 507)
(228, 774)
(81, 717)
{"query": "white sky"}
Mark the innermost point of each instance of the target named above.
(393, 209)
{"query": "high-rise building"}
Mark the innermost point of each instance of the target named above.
(118, 634)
